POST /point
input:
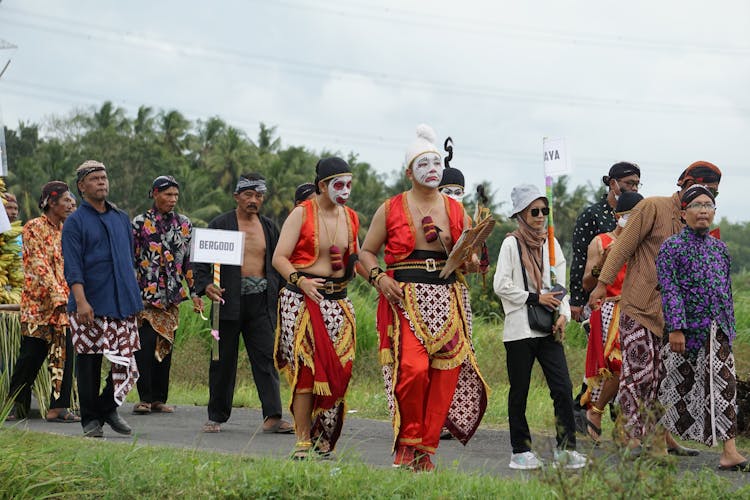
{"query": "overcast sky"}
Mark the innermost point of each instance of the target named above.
(659, 83)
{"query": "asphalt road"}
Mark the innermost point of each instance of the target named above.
(362, 440)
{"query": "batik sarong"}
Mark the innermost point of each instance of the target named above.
(438, 316)
(699, 394)
(117, 340)
(610, 363)
(640, 377)
(54, 336)
(165, 323)
(328, 355)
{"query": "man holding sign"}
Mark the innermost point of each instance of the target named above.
(248, 295)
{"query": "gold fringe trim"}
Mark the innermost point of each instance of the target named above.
(385, 356)
(321, 389)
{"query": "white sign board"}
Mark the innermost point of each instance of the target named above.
(216, 246)
(555, 157)
(4, 221)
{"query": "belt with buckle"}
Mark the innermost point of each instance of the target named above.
(331, 290)
(421, 271)
(430, 265)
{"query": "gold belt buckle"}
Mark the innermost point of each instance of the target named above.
(430, 265)
(328, 287)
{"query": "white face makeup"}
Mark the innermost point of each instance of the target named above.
(339, 189)
(455, 192)
(428, 169)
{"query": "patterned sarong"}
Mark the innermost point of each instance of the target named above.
(54, 335)
(437, 316)
(296, 348)
(165, 323)
(700, 395)
(610, 363)
(642, 371)
(117, 340)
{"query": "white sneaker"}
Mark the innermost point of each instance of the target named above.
(570, 459)
(525, 461)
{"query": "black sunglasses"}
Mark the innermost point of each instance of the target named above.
(535, 211)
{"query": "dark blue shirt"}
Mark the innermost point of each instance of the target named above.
(98, 252)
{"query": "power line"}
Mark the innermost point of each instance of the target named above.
(223, 55)
(497, 28)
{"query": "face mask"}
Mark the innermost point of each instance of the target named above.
(339, 189)
(428, 170)
(622, 220)
(455, 192)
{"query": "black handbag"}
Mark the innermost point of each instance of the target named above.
(541, 319)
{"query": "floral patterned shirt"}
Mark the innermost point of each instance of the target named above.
(45, 291)
(162, 257)
(696, 288)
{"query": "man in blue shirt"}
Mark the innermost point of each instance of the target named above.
(97, 243)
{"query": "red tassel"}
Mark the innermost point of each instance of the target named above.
(430, 231)
(337, 259)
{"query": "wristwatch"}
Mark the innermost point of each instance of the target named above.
(293, 278)
(374, 273)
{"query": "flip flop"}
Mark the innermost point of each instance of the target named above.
(280, 427)
(212, 427)
(593, 427)
(142, 408)
(160, 407)
(66, 417)
(682, 451)
(740, 467)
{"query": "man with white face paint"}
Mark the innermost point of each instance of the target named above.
(604, 357)
(317, 253)
(425, 331)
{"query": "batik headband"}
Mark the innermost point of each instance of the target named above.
(87, 168)
(257, 185)
(161, 183)
(693, 192)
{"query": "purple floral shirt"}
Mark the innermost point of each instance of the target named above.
(162, 257)
(693, 272)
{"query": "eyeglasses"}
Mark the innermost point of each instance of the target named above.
(535, 211)
(633, 184)
(697, 206)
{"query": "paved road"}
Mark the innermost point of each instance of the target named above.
(362, 440)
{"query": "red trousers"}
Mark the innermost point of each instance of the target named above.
(424, 394)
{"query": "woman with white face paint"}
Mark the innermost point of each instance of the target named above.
(423, 323)
(317, 254)
(604, 359)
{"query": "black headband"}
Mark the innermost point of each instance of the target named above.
(303, 192)
(700, 172)
(83, 172)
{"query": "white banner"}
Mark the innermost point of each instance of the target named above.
(216, 246)
(4, 220)
(555, 157)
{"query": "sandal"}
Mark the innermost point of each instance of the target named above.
(159, 407)
(142, 408)
(322, 448)
(279, 427)
(212, 427)
(302, 450)
(65, 416)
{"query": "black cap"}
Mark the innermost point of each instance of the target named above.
(328, 168)
(303, 192)
(452, 177)
(620, 170)
(627, 201)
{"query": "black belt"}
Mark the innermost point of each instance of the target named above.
(333, 288)
(422, 266)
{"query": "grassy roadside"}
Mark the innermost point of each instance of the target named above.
(48, 466)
